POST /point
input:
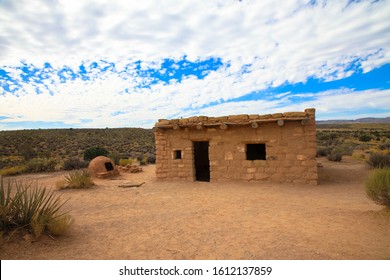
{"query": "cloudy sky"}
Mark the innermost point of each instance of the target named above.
(114, 63)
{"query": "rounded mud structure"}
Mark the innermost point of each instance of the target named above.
(102, 167)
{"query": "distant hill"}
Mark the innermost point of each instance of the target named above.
(361, 120)
(66, 143)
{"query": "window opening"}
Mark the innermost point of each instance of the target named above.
(177, 154)
(255, 152)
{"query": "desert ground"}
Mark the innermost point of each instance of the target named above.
(200, 220)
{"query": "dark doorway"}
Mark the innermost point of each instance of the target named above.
(201, 161)
(108, 166)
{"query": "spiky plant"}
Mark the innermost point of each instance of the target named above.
(27, 205)
(77, 179)
(378, 186)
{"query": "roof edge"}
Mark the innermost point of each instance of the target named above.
(243, 119)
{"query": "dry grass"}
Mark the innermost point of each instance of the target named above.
(77, 179)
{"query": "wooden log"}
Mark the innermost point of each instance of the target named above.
(254, 125)
(304, 121)
(131, 185)
(223, 126)
(280, 122)
(199, 126)
(176, 127)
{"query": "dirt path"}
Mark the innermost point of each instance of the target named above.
(237, 220)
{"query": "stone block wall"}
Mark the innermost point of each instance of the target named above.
(289, 138)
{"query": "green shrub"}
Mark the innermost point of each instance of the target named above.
(346, 149)
(378, 186)
(125, 161)
(41, 165)
(142, 159)
(27, 152)
(379, 160)
(151, 159)
(335, 155)
(27, 205)
(13, 170)
(385, 146)
(93, 152)
(115, 156)
(322, 151)
(74, 163)
(77, 179)
(365, 138)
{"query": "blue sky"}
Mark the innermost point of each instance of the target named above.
(129, 63)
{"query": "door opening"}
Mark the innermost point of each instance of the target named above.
(201, 161)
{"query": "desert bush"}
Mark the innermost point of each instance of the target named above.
(322, 151)
(10, 161)
(142, 159)
(77, 179)
(12, 170)
(151, 159)
(335, 155)
(345, 148)
(365, 138)
(115, 156)
(74, 163)
(27, 152)
(27, 205)
(93, 152)
(378, 186)
(384, 146)
(59, 224)
(125, 161)
(379, 160)
(41, 165)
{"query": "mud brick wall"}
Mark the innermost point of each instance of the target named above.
(289, 139)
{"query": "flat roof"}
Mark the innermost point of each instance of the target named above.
(254, 119)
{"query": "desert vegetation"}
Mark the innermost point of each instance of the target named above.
(76, 179)
(365, 142)
(32, 208)
(368, 142)
(47, 150)
(378, 187)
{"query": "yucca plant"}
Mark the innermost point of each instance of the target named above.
(5, 202)
(27, 205)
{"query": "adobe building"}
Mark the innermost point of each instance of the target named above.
(272, 148)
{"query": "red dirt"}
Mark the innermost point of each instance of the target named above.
(235, 220)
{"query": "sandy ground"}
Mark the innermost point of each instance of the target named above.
(235, 220)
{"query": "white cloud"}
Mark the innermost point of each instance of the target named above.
(280, 43)
(72, 31)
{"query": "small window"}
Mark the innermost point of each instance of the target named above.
(255, 152)
(177, 154)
